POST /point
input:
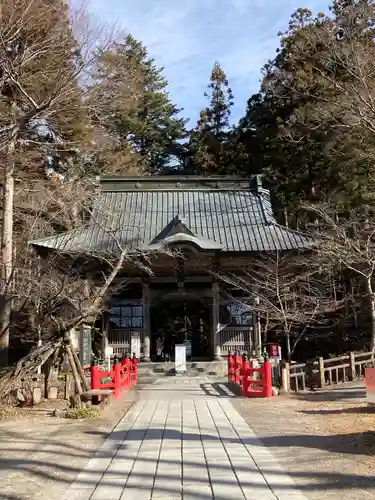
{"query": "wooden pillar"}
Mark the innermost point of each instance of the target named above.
(146, 321)
(215, 320)
(105, 321)
(256, 325)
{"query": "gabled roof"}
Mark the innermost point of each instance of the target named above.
(212, 212)
(177, 232)
(175, 226)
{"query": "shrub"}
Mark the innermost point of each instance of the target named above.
(82, 413)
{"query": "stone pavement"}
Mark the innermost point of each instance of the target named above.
(183, 439)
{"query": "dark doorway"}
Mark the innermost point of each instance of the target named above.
(178, 320)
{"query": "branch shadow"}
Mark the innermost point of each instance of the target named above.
(320, 481)
(55, 462)
(337, 394)
(345, 444)
(364, 410)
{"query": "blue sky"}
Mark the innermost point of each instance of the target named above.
(187, 36)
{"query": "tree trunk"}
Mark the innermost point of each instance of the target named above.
(77, 380)
(372, 309)
(80, 370)
(6, 259)
(371, 297)
(288, 348)
(50, 371)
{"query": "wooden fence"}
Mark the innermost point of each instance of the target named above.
(237, 338)
(325, 371)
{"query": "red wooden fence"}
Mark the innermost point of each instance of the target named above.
(242, 372)
(123, 376)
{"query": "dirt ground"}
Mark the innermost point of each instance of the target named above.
(326, 440)
(40, 455)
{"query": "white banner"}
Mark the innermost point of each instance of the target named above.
(135, 345)
(180, 358)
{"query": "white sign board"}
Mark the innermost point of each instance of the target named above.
(180, 358)
(108, 352)
(135, 345)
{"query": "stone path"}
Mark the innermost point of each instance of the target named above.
(183, 439)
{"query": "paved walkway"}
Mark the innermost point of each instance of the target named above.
(183, 439)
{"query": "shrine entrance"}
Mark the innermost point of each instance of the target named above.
(178, 320)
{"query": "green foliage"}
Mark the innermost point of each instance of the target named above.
(210, 143)
(82, 413)
(150, 122)
(310, 128)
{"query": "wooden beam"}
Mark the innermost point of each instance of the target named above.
(215, 320)
(146, 321)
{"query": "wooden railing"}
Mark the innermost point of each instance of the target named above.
(120, 340)
(236, 338)
(325, 371)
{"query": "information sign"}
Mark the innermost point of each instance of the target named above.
(85, 350)
(180, 358)
(135, 345)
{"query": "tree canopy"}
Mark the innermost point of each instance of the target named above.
(310, 128)
(151, 125)
(210, 140)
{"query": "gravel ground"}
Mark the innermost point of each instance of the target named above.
(41, 455)
(325, 440)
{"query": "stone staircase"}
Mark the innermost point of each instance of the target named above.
(148, 372)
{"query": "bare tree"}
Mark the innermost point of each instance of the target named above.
(289, 294)
(347, 243)
(69, 286)
(52, 100)
(331, 67)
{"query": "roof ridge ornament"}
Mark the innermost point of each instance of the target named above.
(178, 225)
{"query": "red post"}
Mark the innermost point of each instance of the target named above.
(230, 367)
(235, 374)
(237, 368)
(128, 366)
(95, 375)
(245, 375)
(117, 377)
(267, 378)
(134, 370)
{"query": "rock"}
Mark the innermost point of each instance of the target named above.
(37, 395)
(20, 396)
(52, 393)
(58, 412)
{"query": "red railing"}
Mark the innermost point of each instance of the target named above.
(122, 377)
(242, 373)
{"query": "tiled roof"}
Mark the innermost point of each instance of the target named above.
(236, 219)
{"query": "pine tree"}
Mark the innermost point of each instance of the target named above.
(210, 144)
(151, 125)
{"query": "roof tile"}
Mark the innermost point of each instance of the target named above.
(240, 220)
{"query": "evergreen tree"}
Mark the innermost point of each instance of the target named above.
(210, 144)
(150, 124)
(309, 129)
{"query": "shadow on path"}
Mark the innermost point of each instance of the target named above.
(340, 443)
